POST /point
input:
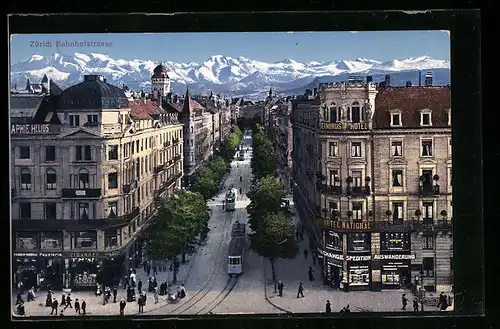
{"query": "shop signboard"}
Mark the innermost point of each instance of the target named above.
(394, 257)
(25, 254)
(341, 257)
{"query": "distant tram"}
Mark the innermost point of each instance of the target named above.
(241, 155)
(231, 200)
(238, 230)
(236, 256)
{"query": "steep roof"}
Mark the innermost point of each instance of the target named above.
(144, 109)
(190, 105)
(410, 101)
(25, 105)
(55, 90)
(160, 72)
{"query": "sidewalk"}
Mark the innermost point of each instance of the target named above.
(95, 303)
(292, 271)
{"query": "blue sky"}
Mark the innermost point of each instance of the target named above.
(263, 46)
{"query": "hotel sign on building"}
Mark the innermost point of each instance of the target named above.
(34, 129)
(363, 226)
(344, 126)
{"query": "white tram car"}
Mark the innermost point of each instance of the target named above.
(230, 200)
(236, 255)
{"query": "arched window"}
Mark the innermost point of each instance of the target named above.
(83, 178)
(51, 179)
(25, 179)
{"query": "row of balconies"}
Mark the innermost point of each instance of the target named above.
(76, 223)
(174, 141)
(425, 190)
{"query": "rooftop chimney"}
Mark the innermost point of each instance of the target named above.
(387, 80)
(408, 83)
(369, 79)
(428, 79)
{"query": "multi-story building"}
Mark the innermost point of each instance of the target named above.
(283, 142)
(372, 168)
(84, 174)
(197, 136)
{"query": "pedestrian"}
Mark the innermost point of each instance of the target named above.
(297, 234)
(122, 306)
(126, 283)
(68, 302)
(150, 284)
(19, 298)
(115, 292)
(441, 299)
(404, 301)
(154, 269)
(133, 279)
(311, 274)
(328, 307)
(280, 288)
(63, 300)
(145, 266)
(300, 291)
(140, 301)
(305, 253)
(31, 294)
(182, 291)
(61, 314)
(21, 310)
(20, 286)
(342, 311)
(155, 294)
(148, 270)
(347, 309)
(54, 305)
(77, 306)
(139, 286)
(415, 305)
(48, 300)
(84, 306)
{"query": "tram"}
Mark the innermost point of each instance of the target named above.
(236, 256)
(238, 230)
(231, 199)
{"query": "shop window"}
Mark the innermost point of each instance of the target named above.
(112, 152)
(397, 178)
(394, 241)
(84, 272)
(428, 266)
(110, 239)
(51, 240)
(51, 178)
(359, 275)
(112, 209)
(24, 152)
(333, 149)
(85, 239)
(25, 179)
(359, 242)
(113, 180)
(356, 149)
(333, 240)
(26, 240)
(83, 179)
(50, 210)
(397, 148)
(24, 210)
(428, 242)
(427, 148)
(50, 153)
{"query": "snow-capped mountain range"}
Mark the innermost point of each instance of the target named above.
(232, 76)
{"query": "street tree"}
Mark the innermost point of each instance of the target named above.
(275, 239)
(176, 227)
(263, 161)
(267, 196)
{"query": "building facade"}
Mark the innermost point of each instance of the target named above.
(282, 137)
(84, 175)
(372, 171)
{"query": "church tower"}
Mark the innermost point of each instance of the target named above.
(160, 82)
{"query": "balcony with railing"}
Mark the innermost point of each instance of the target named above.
(330, 189)
(177, 157)
(428, 190)
(81, 193)
(127, 188)
(171, 180)
(71, 224)
(159, 168)
(358, 190)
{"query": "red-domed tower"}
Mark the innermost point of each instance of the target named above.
(160, 82)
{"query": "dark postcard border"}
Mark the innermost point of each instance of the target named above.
(466, 100)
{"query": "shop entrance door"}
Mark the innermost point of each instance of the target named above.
(335, 276)
(404, 277)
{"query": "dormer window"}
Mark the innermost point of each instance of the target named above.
(425, 118)
(396, 119)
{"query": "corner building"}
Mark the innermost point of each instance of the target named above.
(87, 167)
(372, 176)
